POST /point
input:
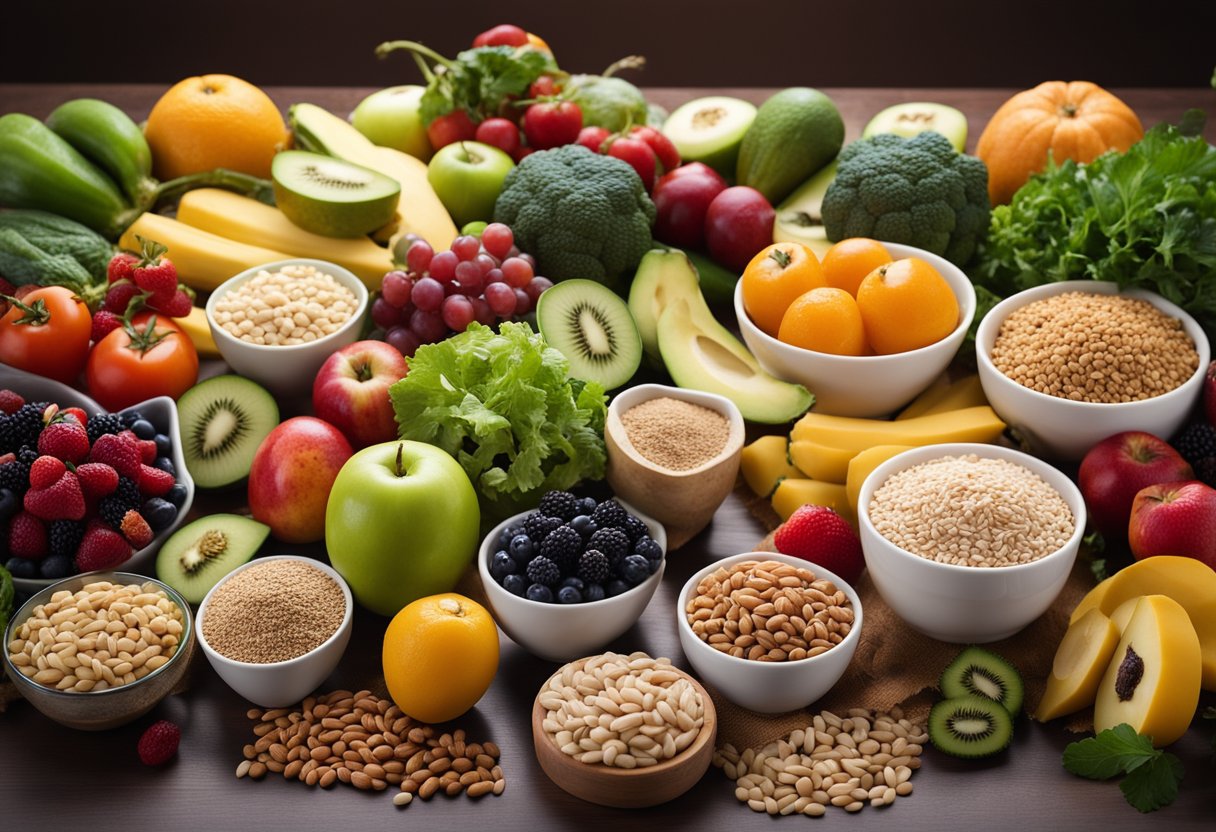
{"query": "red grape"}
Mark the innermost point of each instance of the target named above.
(418, 258)
(469, 278)
(443, 266)
(466, 247)
(529, 259)
(458, 312)
(517, 271)
(494, 276)
(501, 133)
(523, 302)
(428, 326)
(482, 312)
(384, 314)
(497, 239)
(427, 294)
(536, 286)
(396, 288)
(403, 340)
(485, 262)
(501, 298)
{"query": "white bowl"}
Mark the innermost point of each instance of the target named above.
(278, 684)
(864, 385)
(966, 604)
(768, 687)
(1064, 429)
(290, 369)
(561, 632)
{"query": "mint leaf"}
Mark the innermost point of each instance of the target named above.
(1113, 751)
(1151, 786)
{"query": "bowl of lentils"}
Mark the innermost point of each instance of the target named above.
(1068, 364)
(969, 543)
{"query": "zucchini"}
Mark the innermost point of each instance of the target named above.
(111, 140)
(53, 235)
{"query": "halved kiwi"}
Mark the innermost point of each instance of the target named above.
(199, 554)
(332, 197)
(590, 325)
(223, 420)
(970, 726)
(980, 672)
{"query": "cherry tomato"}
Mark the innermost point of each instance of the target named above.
(552, 124)
(131, 365)
(544, 86)
(505, 34)
(662, 146)
(455, 126)
(638, 154)
(501, 133)
(593, 138)
(47, 333)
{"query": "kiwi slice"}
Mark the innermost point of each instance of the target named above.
(970, 726)
(199, 554)
(223, 420)
(980, 672)
(590, 325)
(332, 197)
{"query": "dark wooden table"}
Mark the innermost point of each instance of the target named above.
(57, 777)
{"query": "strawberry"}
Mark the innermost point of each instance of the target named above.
(104, 322)
(64, 440)
(63, 499)
(10, 402)
(147, 447)
(97, 479)
(75, 413)
(119, 452)
(27, 536)
(119, 296)
(136, 529)
(159, 743)
(174, 305)
(820, 535)
(46, 471)
(154, 272)
(102, 548)
(154, 482)
(120, 266)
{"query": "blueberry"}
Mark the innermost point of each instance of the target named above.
(569, 595)
(575, 582)
(159, 513)
(515, 584)
(143, 429)
(584, 525)
(8, 504)
(165, 464)
(130, 417)
(504, 537)
(540, 592)
(521, 548)
(164, 445)
(177, 494)
(635, 569)
(586, 506)
(594, 592)
(615, 587)
(501, 565)
(648, 548)
(22, 567)
(56, 566)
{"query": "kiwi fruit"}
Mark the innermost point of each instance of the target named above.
(199, 554)
(970, 726)
(980, 672)
(223, 420)
(590, 325)
(330, 196)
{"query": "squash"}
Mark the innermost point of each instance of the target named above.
(1076, 120)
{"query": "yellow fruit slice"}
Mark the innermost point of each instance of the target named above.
(863, 464)
(1081, 661)
(1123, 614)
(928, 398)
(966, 392)
(764, 465)
(791, 494)
(971, 424)
(199, 331)
(820, 462)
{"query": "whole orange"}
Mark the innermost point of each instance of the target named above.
(440, 656)
(214, 121)
(776, 276)
(850, 260)
(906, 305)
(825, 319)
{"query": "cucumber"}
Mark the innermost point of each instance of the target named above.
(111, 140)
(40, 170)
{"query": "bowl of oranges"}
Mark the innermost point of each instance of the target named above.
(865, 330)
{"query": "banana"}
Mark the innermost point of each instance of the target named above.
(204, 260)
(199, 331)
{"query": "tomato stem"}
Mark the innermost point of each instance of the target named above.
(35, 314)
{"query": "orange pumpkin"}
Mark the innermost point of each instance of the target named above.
(1076, 120)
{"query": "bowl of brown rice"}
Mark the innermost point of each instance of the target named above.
(969, 543)
(1068, 364)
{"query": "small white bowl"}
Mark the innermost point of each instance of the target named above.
(864, 385)
(1064, 429)
(290, 369)
(768, 687)
(278, 684)
(562, 632)
(967, 604)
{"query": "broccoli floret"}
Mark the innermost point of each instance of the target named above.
(917, 191)
(578, 213)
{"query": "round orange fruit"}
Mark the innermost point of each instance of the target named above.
(773, 278)
(850, 260)
(825, 319)
(440, 656)
(214, 121)
(906, 305)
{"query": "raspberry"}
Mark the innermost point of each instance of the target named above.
(561, 504)
(543, 571)
(101, 548)
(159, 743)
(27, 536)
(136, 529)
(610, 515)
(64, 440)
(102, 424)
(10, 402)
(538, 526)
(104, 322)
(120, 266)
(593, 566)
(562, 547)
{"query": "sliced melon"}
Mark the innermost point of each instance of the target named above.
(1080, 662)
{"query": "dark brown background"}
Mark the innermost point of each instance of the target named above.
(702, 43)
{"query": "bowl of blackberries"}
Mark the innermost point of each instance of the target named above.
(571, 576)
(82, 490)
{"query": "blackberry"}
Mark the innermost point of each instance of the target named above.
(635, 569)
(124, 498)
(538, 525)
(610, 515)
(101, 424)
(54, 567)
(543, 571)
(560, 504)
(22, 426)
(1205, 469)
(10, 504)
(28, 453)
(65, 537)
(562, 547)
(1196, 441)
(15, 476)
(593, 566)
(649, 549)
(614, 543)
(635, 528)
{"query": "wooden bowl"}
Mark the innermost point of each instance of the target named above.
(628, 788)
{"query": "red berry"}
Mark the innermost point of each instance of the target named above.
(46, 471)
(159, 743)
(146, 447)
(62, 499)
(820, 535)
(504, 34)
(120, 266)
(136, 529)
(154, 272)
(104, 322)
(593, 138)
(118, 297)
(154, 482)
(501, 133)
(119, 452)
(639, 156)
(102, 548)
(27, 536)
(64, 440)
(175, 305)
(97, 479)
(662, 146)
(10, 401)
(552, 124)
(455, 126)
(74, 414)
(543, 87)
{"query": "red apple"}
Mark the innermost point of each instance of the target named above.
(738, 224)
(292, 473)
(1175, 518)
(681, 199)
(1117, 468)
(351, 391)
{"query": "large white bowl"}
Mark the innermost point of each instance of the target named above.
(768, 687)
(289, 369)
(562, 632)
(1064, 429)
(966, 604)
(864, 385)
(278, 684)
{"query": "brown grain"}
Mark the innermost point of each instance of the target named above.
(675, 434)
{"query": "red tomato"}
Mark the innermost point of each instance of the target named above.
(662, 146)
(638, 154)
(501, 133)
(504, 34)
(593, 138)
(552, 124)
(455, 126)
(50, 336)
(123, 371)
(543, 87)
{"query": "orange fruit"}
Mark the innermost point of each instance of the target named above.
(850, 260)
(824, 320)
(214, 121)
(906, 305)
(774, 277)
(440, 656)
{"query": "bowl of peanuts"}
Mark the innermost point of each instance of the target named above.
(99, 650)
(772, 633)
(277, 323)
(1068, 364)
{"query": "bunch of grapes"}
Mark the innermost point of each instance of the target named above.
(486, 280)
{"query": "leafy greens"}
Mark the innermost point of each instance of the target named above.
(1152, 774)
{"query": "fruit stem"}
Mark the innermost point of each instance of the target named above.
(260, 189)
(627, 62)
(383, 50)
(400, 464)
(782, 258)
(31, 315)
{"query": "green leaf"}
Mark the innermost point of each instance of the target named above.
(6, 597)
(1153, 785)
(1113, 751)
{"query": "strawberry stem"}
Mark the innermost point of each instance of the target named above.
(150, 251)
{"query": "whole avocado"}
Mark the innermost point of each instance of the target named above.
(578, 213)
(796, 132)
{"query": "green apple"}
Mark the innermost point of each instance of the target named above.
(402, 523)
(468, 177)
(390, 118)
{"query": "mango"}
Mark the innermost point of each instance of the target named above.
(863, 464)
(791, 494)
(966, 392)
(1077, 669)
(820, 462)
(971, 424)
(764, 464)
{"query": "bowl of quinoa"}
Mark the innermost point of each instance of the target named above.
(1068, 364)
(969, 543)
